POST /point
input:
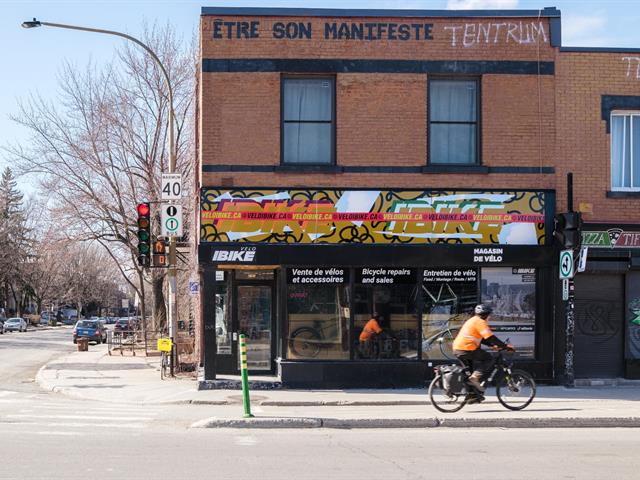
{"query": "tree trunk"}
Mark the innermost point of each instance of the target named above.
(159, 307)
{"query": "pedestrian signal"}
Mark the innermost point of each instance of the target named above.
(159, 253)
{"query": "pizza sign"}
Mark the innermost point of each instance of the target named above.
(612, 238)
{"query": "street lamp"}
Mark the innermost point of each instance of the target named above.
(172, 153)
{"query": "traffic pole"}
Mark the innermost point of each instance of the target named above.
(245, 376)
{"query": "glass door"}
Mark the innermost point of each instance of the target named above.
(254, 310)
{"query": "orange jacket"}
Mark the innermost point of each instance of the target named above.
(471, 334)
(372, 327)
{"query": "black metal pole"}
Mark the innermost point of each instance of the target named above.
(569, 307)
(570, 192)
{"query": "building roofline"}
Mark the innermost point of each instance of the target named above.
(599, 50)
(547, 12)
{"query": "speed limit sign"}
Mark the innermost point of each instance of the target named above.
(171, 186)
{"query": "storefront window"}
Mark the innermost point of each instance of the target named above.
(223, 316)
(449, 296)
(318, 313)
(389, 295)
(512, 294)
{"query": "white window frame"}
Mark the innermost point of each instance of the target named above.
(623, 113)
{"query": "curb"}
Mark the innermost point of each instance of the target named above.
(353, 423)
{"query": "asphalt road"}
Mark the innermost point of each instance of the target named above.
(23, 353)
(48, 436)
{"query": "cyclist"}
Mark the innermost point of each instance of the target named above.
(466, 345)
(369, 345)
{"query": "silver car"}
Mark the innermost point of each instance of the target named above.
(15, 324)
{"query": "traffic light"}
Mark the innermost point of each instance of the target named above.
(144, 234)
(159, 253)
(567, 229)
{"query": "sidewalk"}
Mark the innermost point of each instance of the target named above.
(126, 379)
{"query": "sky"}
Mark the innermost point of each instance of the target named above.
(33, 58)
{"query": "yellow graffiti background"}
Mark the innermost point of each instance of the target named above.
(233, 210)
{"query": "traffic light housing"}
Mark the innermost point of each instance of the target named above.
(160, 252)
(568, 229)
(144, 234)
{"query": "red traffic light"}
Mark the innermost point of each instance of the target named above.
(143, 209)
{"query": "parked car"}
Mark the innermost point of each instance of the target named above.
(125, 326)
(94, 330)
(45, 317)
(15, 324)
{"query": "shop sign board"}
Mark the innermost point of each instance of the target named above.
(385, 275)
(566, 264)
(318, 276)
(450, 275)
(374, 217)
(611, 238)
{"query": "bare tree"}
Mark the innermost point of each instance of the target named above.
(101, 149)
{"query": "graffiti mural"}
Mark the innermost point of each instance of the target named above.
(597, 319)
(633, 329)
(372, 216)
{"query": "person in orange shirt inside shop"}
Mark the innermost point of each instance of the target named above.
(369, 337)
(466, 345)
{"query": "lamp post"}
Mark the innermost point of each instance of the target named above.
(172, 153)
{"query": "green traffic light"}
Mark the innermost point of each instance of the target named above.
(143, 248)
(143, 235)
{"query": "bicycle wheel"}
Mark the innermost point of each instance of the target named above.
(446, 344)
(305, 342)
(516, 390)
(441, 400)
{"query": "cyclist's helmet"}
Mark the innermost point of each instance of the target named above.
(483, 310)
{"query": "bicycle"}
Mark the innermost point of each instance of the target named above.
(307, 342)
(165, 345)
(444, 339)
(449, 391)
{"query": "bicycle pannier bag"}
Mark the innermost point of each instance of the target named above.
(453, 379)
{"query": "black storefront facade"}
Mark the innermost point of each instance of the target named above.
(607, 304)
(300, 271)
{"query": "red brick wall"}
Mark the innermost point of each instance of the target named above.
(381, 118)
(583, 145)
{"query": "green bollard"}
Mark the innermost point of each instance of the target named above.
(245, 376)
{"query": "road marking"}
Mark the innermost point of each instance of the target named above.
(77, 417)
(87, 425)
(245, 441)
(57, 432)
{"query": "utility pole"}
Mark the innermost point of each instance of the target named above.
(172, 158)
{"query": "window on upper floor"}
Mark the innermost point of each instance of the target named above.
(308, 121)
(453, 122)
(625, 151)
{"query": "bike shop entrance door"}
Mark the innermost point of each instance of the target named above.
(253, 313)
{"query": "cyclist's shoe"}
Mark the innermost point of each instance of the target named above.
(474, 380)
(474, 398)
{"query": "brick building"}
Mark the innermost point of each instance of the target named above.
(408, 164)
